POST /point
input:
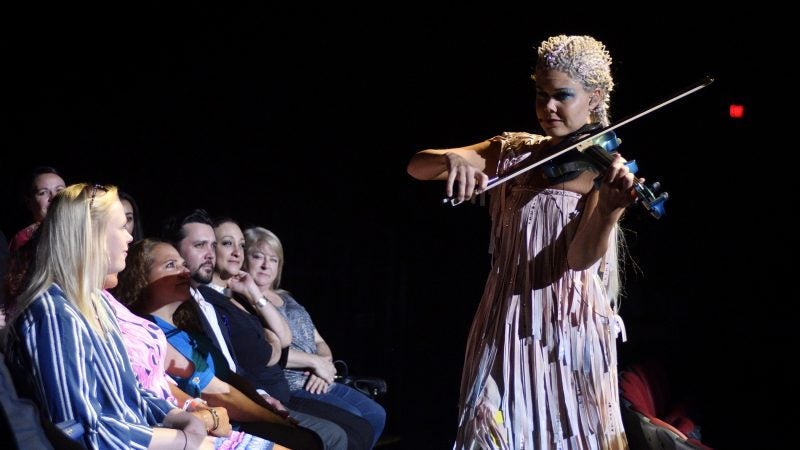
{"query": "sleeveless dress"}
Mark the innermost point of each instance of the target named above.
(540, 369)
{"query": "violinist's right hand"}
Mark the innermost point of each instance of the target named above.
(471, 180)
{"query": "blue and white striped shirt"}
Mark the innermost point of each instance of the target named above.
(76, 376)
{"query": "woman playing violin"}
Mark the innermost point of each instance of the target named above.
(540, 367)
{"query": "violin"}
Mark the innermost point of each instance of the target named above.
(602, 152)
(598, 144)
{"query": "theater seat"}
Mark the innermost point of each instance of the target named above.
(652, 419)
(372, 387)
(21, 424)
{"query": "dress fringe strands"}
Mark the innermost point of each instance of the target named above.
(541, 365)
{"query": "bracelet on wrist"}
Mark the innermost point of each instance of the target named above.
(215, 418)
(261, 302)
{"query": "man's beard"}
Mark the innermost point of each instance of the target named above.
(201, 278)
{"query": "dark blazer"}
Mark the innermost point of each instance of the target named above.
(214, 298)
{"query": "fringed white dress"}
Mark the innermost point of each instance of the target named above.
(541, 367)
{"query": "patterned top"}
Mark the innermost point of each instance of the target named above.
(302, 336)
(146, 347)
(75, 375)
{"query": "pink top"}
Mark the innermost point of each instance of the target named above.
(22, 237)
(146, 346)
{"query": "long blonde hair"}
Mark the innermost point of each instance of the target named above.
(72, 252)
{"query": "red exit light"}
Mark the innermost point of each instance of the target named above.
(736, 111)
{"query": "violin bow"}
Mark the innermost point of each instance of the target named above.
(587, 141)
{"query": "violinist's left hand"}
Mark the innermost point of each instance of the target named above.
(616, 190)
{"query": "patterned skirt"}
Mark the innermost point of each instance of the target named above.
(242, 441)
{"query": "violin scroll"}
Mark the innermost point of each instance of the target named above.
(647, 196)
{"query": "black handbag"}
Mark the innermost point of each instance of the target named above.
(372, 387)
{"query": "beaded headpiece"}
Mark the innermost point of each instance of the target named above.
(586, 60)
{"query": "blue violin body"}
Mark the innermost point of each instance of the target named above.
(601, 153)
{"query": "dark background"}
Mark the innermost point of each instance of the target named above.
(302, 120)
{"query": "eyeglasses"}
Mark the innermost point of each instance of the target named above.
(94, 193)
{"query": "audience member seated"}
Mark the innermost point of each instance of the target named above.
(236, 331)
(155, 284)
(63, 345)
(134, 223)
(146, 346)
(43, 184)
(310, 369)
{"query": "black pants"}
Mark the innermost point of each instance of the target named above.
(359, 431)
(296, 438)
